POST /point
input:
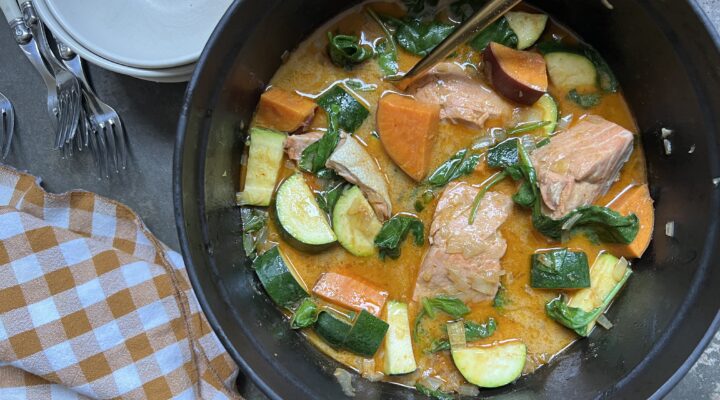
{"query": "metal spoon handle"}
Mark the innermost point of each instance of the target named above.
(477, 22)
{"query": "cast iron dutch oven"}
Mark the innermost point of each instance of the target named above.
(667, 58)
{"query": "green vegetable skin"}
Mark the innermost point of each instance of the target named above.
(560, 269)
(277, 279)
(350, 112)
(346, 50)
(579, 312)
(395, 231)
(305, 315)
(264, 161)
(363, 337)
(399, 356)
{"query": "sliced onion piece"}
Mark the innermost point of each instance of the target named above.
(604, 322)
(670, 229)
(345, 380)
(456, 334)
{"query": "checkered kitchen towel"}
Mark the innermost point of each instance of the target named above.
(92, 305)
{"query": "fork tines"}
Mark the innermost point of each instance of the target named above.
(7, 126)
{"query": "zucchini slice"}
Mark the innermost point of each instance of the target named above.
(332, 328)
(570, 70)
(581, 310)
(549, 111)
(527, 27)
(264, 161)
(277, 279)
(486, 366)
(366, 335)
(355, 223)
(399, 356)
(301, 220)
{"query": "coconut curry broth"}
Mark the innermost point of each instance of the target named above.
(309, 71)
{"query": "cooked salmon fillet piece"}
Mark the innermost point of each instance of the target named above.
(461, 98)
(580, 164)
(296, 144)
(464, 260)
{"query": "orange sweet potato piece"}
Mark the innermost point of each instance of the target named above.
(283, 110)
(407, 131)
(353, 293)
(636, 200)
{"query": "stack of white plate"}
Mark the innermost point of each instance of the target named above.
(156, 40)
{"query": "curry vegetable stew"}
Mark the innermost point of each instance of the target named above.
(452, 232)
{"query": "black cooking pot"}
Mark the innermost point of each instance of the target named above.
(667, 58)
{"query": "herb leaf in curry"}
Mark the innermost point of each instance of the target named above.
(584, 100)
(346, 51)
(315, 156)
(432, 305)
(498, 32)
(436, 394)
(560, 269)
(460, 164)
(574, 318)
(473, 331)
(394, 232)
(385, 48)
(254, 223)
(350, 112)
(419, 37)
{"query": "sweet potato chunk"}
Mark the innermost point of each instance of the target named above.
(284, 111)
(407, 131)
(353, 293)
(520, 76)
(636, 200)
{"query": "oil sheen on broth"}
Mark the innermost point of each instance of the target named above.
(308, 71)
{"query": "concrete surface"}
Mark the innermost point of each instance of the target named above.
(146, 185)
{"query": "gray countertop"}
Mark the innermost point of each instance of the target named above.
(146, 185)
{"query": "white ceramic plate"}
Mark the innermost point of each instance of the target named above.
(177, 74)
(141, 33)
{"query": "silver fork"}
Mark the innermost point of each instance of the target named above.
(68, 87)
(29, 46)
(7, 126)
(103, 118)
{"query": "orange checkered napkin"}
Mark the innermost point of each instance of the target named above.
(93, 306)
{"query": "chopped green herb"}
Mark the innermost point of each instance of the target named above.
(473, 331)
(435, 394)
(499, 177)
(346, 51)
(385, 49)
(560, 269)
(500, 300)
(584, 100)
(254, 223)
(447, 304)
(305, 315)
(419, 37)
(527, 127)
(394, 232)
(420, 8)
(458, 165)
(314, 157)
(574, 318)
(351, 113)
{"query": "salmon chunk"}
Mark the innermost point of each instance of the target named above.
(283, 110)
(353, 162)
(350, 292)
(407, 131)
(580, 164)
(296, 144)
(464, 260)
(461, 97)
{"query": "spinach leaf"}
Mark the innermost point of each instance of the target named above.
(499, 32)
(394, 232)
(254, 223)
(385, 49)
(574, 318)
(560, 269)
(436, 394)
(527, 127)
(461, 10)
(607, 225)
(478, 197)
(458, 165)
(314, 157)
(473, 331)
(504, 154)
(447, 304)
(350, 112)
(346, 50)
(420, 8)
(327, 198)
(305, 315)
(584, 100)
(501, 299)
(419, 37)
